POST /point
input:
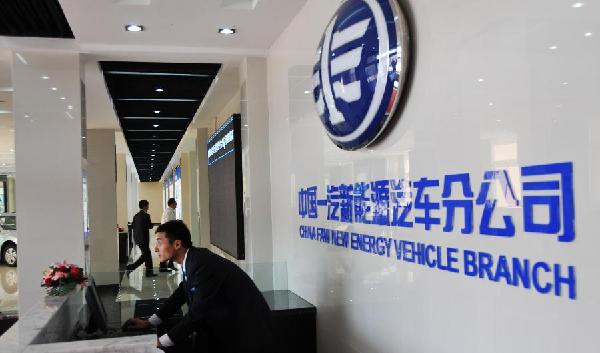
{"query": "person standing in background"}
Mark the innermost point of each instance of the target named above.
(141, 234)
(168, 215)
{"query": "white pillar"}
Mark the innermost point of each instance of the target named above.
(256, 169)
(49, 164)
(102, 203)
(203, 206)
(194, 197)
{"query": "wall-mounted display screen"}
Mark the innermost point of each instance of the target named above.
(225, 188)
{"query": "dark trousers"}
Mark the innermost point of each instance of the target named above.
(198, 341)
(145, 257)
(166, 264)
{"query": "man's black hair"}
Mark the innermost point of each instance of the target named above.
(176, 230)
(171, 201)
(143, 203)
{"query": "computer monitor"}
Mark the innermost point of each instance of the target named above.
(97, 319)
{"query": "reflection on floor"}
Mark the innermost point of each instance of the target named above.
(133, 287)
(8, 290)
(137, 286)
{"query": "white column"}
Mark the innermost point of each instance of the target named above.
(122, 212)
(194, 197)
(256, 169)
(132, 189)
(48, 140)
(203, 206)
(102, 202)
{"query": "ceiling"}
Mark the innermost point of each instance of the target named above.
(155, 103)
(184, 31)
(99, 24)
(33, 18)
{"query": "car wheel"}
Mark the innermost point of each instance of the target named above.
(9, 255)
(9, 281)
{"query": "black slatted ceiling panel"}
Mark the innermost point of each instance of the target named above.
(155, 103)
(33, 18)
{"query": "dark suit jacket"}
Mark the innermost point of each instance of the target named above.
(141, 228)
(224, 304)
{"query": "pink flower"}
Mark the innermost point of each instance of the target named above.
(59, 275)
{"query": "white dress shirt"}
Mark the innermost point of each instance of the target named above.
(154, 320)
(168, 215)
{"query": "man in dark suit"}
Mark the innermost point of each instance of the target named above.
(226, 310)
(141, 234)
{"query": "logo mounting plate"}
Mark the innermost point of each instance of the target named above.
(360, 70)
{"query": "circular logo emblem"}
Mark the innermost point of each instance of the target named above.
(360, 70)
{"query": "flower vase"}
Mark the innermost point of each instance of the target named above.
(61, 290)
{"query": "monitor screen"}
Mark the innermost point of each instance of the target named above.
(225, 188)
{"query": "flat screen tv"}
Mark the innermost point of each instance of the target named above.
(226, 188)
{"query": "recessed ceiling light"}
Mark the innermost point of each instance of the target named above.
(588, 34)
(70, 107)
(45, 78)
(306, 92)
(156, 111)
(577, 5)
(153, 150)
(159, 90)
(554, 47)
(134, 28)
(227, 31)
(156, 125)
(63, 98)
(480, 80)
(12, 149)
(53, 88)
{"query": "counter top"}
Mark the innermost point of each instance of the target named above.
(50, 317)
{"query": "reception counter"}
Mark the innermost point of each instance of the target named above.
(67, 324)
(49, 326)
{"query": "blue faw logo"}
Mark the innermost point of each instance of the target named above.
(360, 70)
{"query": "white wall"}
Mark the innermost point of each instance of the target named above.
(544, 109)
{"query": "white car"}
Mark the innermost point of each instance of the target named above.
(8, 239)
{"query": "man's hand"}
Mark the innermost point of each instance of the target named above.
(136, 324)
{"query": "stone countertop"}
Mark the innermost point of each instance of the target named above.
(133, 344)
(20, 337)
(31, 323)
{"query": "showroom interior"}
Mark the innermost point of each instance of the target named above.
(392, 175)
